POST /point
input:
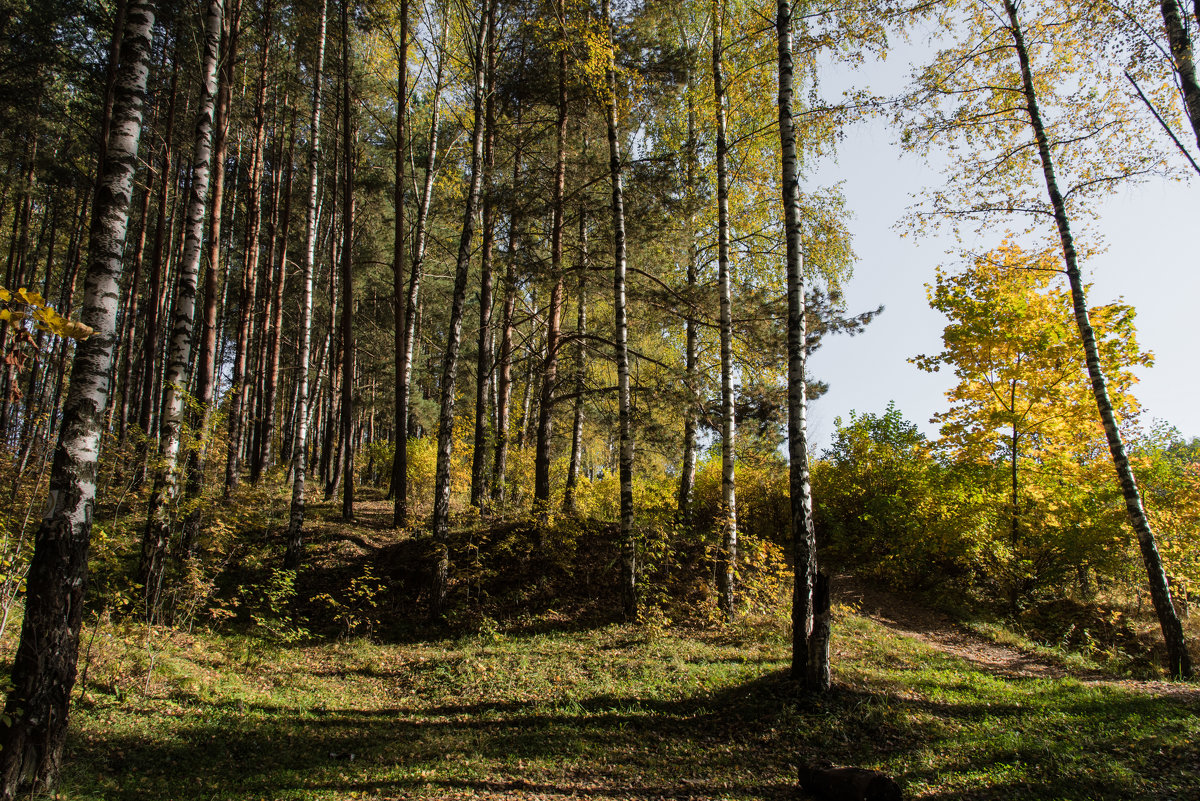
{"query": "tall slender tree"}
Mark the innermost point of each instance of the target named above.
(1178, 659)
(404, 375)
(727, 552)
(810, 655)
(549, 368)
(483, 362)
(166, 489)
(349, 134)
(440, 523)
(629, 588)
(206, 376)
(399, 263)
(36, 711)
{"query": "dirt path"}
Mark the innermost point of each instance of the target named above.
(907, 616)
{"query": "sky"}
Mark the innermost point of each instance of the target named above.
(1148, 263)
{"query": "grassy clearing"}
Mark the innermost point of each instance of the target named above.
(604, 713)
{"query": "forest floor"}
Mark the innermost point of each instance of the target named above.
(556, 703)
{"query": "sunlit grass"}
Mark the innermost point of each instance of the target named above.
(613, 712)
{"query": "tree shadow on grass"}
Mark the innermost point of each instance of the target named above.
(741, 742)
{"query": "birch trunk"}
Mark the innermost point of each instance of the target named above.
(441, 498)
(483, 364)
(237, 400)
(163, 499)
(549, 378)
(629, 595)
(1178, 661)
(687, 470)
(727, 552)
(349, 134)
(44, 667)
(404, 378)
(208, 336)
(399, 261)
(805, 667)
(1185, 65)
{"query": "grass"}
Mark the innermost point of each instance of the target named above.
(606, 713)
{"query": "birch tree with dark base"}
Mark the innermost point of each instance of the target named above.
(295, 539)
(1051, 125)
(440, 523)
(810, 654)
(727, 548)
(163, 499)
(31, 743)
(1178, 661)
(412, 299)
(549, 367)
(629, 589)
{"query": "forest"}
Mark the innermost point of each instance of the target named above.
(409, 399)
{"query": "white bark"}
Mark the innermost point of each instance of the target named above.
(727, 552)
(295, 539)
(629, 588)
(804, 542)
(45, 662)
(175, 379)
(440, 524)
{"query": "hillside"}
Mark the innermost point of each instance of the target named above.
(559, 703)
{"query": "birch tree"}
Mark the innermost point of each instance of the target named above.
(440, 523)
(295, 539)
(727, 550)
(43, 672)
(412, 299)
(810, 655)
(1050, 128)
(628, 580)
(162, 509)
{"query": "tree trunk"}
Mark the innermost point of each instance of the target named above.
(727, 552)
(505, 356)
(629, 596)
(44, 666)
(549, 378)
(441, 498)
(404, 377)
(295, 540)
(1185, 66)
(208, 337)
(237, 399)
(163, 499)
(687, 470)
(349, 134)
(399, 261)
(580, 371)
(804, 540)
(1179, 662)
(483, 364)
